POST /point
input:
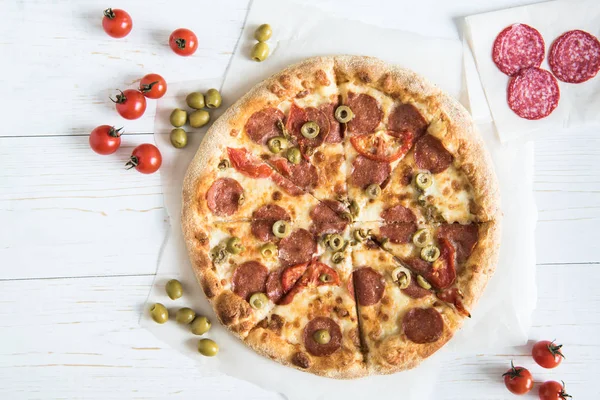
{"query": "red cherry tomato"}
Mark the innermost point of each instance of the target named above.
(518, 380)
(552, 390)
(117, 23)
(105, 139)
(547, 354)
(130, 104)
(153, 86)
(145, 158)
(183, 42)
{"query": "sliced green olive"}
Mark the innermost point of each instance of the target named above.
(199, 118)
(348, 216)
(430, 253)
(241, 199)
(354, 209)
(200, 325)
(178, 117)
(277, 144)
(195, 100)
(258, 300)
(337, 257)
(336, 242)
(208, 347)
(325, 278)
(293, 155)
(268, 250)
(343, 114)
(401, 276)
(310, 130)
(174, 289)
(178, 138)
(422, 200)
(159, 313)
(422, 237)
(263, 33)
(361, 234)
(373, 191)
(322, 336)
(385, 244)
(260, 51)
(185, 315)
(212, 98)
(218, 254)
(234, 245)
(423, 283)
(423, 180)
(281, 228)
(224, 164)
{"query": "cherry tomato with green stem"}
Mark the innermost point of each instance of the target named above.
(552, 390)
(518, 380)
(153, 86)
(183, 42)
(105, 139)
(547, 354)
(130, 104)
(116, 23)
(145, 158)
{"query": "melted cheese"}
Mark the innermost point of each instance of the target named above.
(451, 194)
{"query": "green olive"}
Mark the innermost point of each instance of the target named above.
(422, 200)
(322, 336)
(423, 283)
(174, 289)
(337, 257)
(344, 114)
(268, 250)
(373, 191)
(208, 347)
(178, 117)
(402, 276)
(263, 33)
(430, 253)
(260, 51)
(361, 234)
(199, 118)
(422, 237)
(178, 138)
(212, 98)
(195, 100)
(185, 315)
(348, 216)
(223, 164)
(200, 325)
(281, 228)
(325, 278)
(277, 144)
(310, 130)
(423, 180)
(336, 242)
(354, 209)
(293, 155)
(159, 313)
(258, 300)
(234, 245)
(218, 254)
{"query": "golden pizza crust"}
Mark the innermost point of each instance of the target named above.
(449, 122)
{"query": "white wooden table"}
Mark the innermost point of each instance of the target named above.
(79, 235)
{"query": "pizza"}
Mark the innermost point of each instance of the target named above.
(343, 217)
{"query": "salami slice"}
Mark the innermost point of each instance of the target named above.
(369, 286)
(414, 290)
(249, 278)
(575, 57)
(262, 125)
(273, 285)
(400, 224)
(462, 237)
(297, 248)
(423, 325)
(303, 175)
(367, 113)
(366, 172)
(335, 334)
(299, 116)
(517, 47)
(263, 220)
(326, 217)
(398, 213)
(533, 93)
(223, 196)
(335, 129)
(406, 117)
(430, 154)
(286, 185)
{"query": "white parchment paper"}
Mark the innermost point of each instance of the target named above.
(579, 103)
(494, 324)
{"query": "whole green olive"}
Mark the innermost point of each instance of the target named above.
(178, 138)
(174, 289)
(195, 100)
(200, 325)
(263, 33)
(159, 313)
(185, 315)
(208, 347)
(260, 51)
(199, 118)
(178, 117)
(212, 98)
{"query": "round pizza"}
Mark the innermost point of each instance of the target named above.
(343, 217)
